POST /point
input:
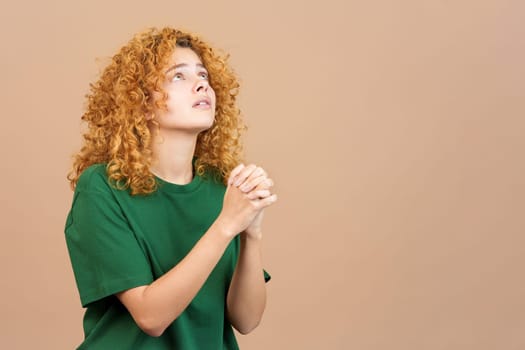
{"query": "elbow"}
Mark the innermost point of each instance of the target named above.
(247, 328)
(151, 327)
(153, 332)
(246, 320)
(148, 316)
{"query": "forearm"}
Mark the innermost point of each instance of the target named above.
(156, 306)
(247, 293)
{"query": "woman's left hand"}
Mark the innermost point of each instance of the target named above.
(255, 183)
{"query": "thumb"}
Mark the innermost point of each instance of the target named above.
(263, 203)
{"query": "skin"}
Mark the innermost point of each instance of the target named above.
(155, 306)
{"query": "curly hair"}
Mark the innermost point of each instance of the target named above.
(119, 103)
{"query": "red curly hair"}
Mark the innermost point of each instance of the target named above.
(120, 102)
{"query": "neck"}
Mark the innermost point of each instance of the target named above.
(173, 153)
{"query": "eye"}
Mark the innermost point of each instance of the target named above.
(203, 75)
(178, 76)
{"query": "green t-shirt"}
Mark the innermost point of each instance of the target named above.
(117, 241)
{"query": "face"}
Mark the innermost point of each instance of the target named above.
(191, 100)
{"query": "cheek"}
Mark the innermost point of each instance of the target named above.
(176, 97)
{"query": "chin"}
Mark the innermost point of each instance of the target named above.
(201, 127)
(193, 126)
(208, 127)
(209, 123)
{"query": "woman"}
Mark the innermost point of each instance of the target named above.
(164, 233)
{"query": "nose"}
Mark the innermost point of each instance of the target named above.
(201, 86)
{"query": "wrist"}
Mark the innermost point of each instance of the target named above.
(225, 230)
(254, 235)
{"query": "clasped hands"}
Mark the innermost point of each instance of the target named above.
(251, 185)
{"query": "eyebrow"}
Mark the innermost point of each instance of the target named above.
(199, 65)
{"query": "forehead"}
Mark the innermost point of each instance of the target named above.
(184, 55)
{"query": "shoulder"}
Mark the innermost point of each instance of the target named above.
(94, 178)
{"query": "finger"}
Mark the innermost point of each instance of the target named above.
(244, 174)
(259, 194)
(265, 202)
(266, 184)
(235, 172)
(258, 172)
(253, 179)
(252, 183)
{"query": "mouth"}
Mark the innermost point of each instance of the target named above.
(202, 103)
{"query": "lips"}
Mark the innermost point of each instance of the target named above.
(202, 102)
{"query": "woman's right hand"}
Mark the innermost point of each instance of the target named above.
(239, 209)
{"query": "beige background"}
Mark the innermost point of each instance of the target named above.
(393, 129)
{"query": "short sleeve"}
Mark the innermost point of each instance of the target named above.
(105, 254)
(267, 276)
